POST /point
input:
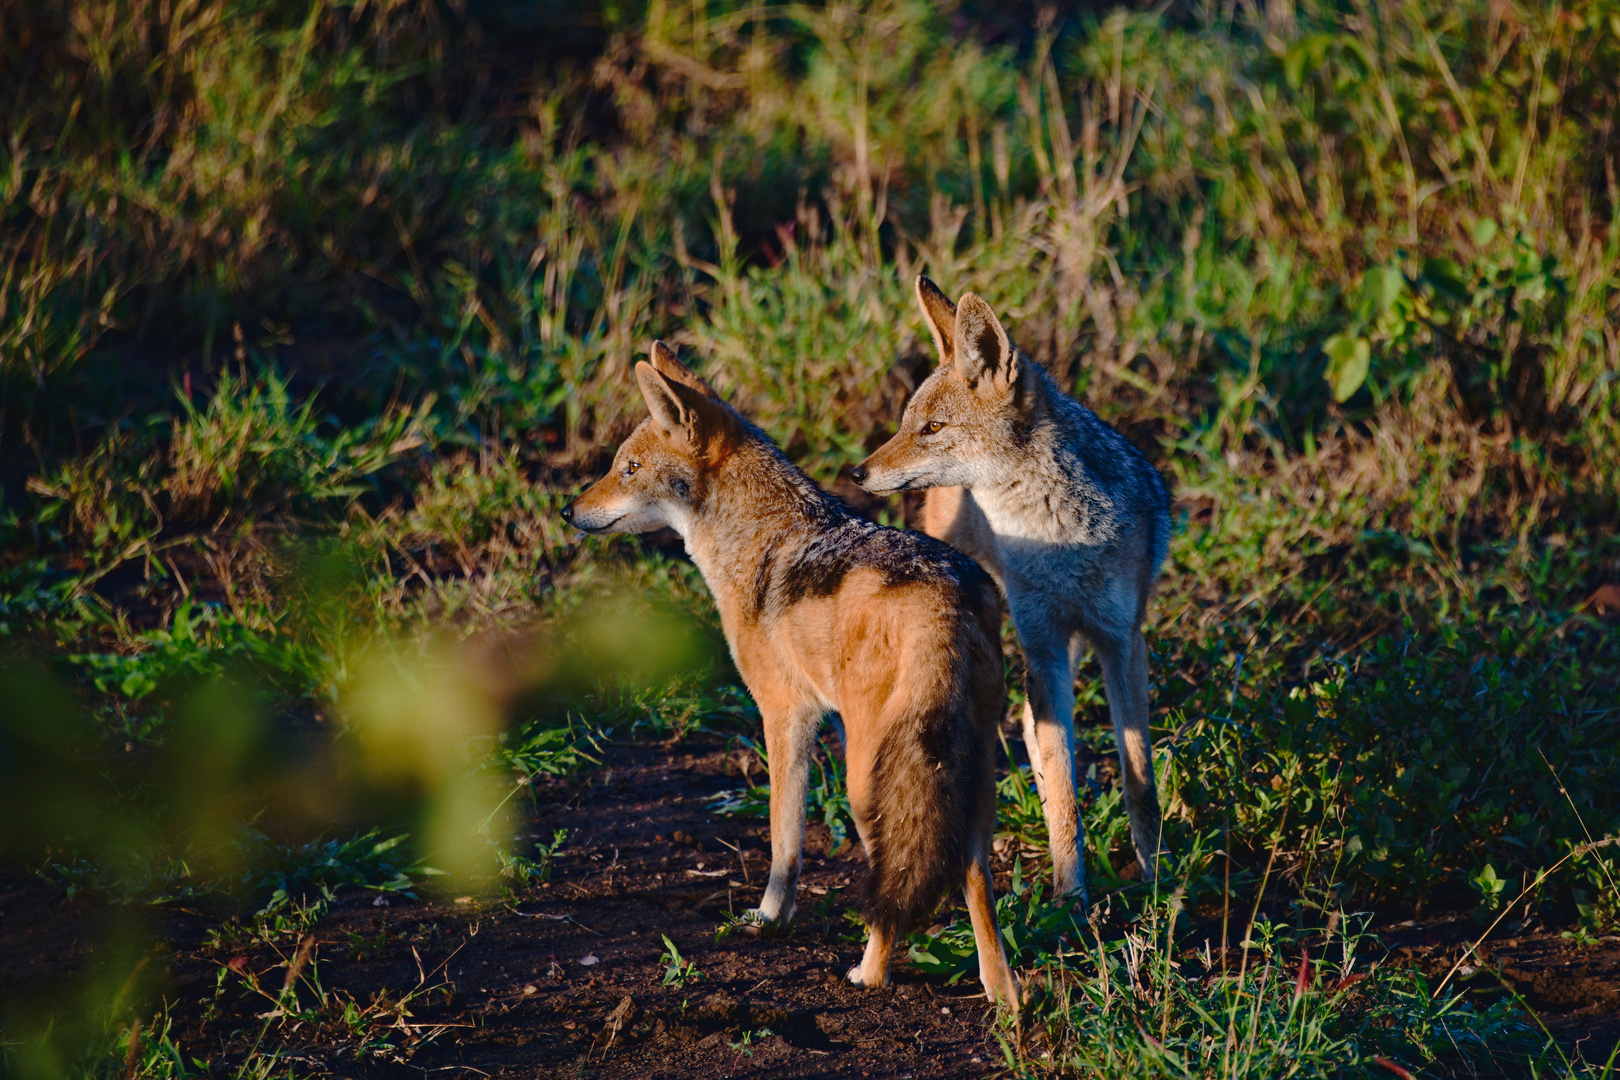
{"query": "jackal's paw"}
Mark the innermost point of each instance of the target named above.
(857, 977)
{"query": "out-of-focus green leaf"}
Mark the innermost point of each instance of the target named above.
(1380, 288)
(1348, 360)
(1307, 53)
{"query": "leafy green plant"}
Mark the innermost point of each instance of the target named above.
(201, 640)
(678, 971)
(1596, 899)
(1491, 888)
(526, 871)
(1019, 815)
(1334, 763)
(548, 852)
(753, 802)
(829, 795)
(563, 750)
(143, 1047)
(360, 861)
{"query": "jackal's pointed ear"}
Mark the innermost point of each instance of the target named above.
(682, 412)
(985, 357)
(940, 315)
(664, 361)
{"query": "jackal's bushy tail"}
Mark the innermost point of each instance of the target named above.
(928, 783)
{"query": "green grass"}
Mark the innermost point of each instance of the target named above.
(313, 314)
(1130, 1008)
(1298, 1001)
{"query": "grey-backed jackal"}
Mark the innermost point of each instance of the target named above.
(1073, 523)
(825, 611)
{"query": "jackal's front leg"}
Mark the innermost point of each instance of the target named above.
(1049, 738)
(789, 734)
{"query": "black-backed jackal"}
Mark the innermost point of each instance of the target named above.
(1073, 523)
(825, 611)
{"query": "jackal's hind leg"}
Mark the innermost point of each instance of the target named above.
(995, 974)
(1032, 747)
(1125, 678)
(873, 970)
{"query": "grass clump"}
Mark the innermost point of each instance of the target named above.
(1141, 1006)
(1138, 989)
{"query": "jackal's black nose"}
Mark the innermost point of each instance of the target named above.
(568, 512)
(859, 473)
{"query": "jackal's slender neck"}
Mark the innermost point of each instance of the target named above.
(757, 504)
(1045, 485)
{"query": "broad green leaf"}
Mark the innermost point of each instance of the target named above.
(1348, 360)
(1380, 288)
(1294, 65)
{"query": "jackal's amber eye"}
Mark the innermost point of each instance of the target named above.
(933, 427)
(630, 469)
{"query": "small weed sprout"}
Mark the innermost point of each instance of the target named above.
(678, 971)
(1491, 889)
(745, 1044)
(548, 852)
(522, 870)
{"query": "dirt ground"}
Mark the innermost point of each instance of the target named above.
(568, 981)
